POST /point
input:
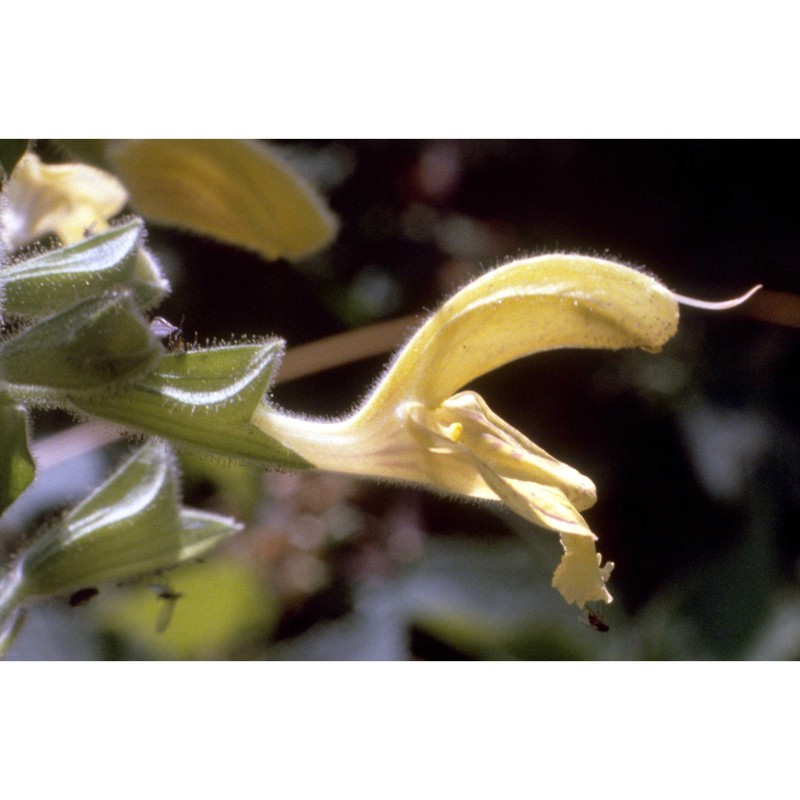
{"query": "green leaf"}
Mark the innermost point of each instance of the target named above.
(130, 526)
(11, 151)
(223, 605)
(203, 399)
(56, 280)
(95, 344)
(17, 467)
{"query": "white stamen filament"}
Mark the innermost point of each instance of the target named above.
(720, 305)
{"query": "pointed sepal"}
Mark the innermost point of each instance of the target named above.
(55, 280)
(203, 399)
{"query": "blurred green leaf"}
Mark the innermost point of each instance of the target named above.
(729, 601)
(203, 399)
(17, 467)
(94, 344)
(11, 151)
(56, 280)
(453, 634)
(220, 606)
(466, 598)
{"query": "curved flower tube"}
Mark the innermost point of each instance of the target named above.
(416, 427)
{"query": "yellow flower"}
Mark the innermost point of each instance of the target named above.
(65, 199)
(240, 192)
(417, 427)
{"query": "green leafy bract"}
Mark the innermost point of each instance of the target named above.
(203, 399)
(95, 344)
(56, 280)
(132, 525)
(17, 468)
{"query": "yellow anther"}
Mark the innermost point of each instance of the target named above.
(454, 432)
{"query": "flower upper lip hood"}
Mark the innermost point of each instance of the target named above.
(529, 306)
(416, 426)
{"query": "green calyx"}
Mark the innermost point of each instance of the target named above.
(131, 526)
(55, 280)
(203, 399)
(94, 345)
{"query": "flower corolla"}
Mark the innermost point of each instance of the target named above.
(417, 426)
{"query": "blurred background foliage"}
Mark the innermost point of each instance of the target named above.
(694, 452)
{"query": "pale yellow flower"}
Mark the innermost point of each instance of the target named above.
(68, 200)
(417, 427)
(236, 191)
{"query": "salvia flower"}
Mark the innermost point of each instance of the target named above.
(416, 426)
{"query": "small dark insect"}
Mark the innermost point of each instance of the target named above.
(165, 329)
(597, 623)
(594, 620)
(82, 596)
(169, 598)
